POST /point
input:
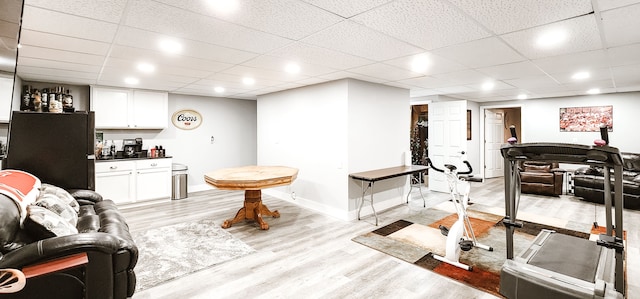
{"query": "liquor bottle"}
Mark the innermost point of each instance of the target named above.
(45, 99)
(67, 102)
(37, 101)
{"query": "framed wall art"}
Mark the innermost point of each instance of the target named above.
(586, 119)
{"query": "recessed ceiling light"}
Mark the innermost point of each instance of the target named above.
(19, 46)
(170, 46)
(146, 67)
(292, 68)
(219, 89)
(248, 81)
(593, 91)
(488, 85)
(551, 38)
(522, 96)
(224, 6)
(131, 80)
(580, 75)
(420, 63)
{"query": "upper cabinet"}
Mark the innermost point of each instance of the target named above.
(117, 108)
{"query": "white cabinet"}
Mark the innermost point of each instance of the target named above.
(129, 109)
(115, 180)
(6, 96)
(153, 179)
(134, 180)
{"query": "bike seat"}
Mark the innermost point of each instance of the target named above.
(450, 167)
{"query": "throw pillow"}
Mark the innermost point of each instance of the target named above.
(42, 223)
(55, 204)
(61, 194)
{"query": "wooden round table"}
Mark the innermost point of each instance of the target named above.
(252, 179)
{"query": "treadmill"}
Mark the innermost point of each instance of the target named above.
(557, 265)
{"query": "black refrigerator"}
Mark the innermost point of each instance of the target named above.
(58, 148)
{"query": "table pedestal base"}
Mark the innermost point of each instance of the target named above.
(253, 210)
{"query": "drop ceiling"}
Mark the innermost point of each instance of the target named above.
(466, 43)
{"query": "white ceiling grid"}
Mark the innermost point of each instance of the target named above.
(467, 42)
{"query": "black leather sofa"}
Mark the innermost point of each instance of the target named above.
(589, 182)
(103, 237)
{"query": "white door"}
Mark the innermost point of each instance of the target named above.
(447, 138)
(494, 138)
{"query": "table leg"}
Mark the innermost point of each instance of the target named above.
(253, 209)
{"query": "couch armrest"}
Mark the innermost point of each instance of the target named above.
(56, 247)
(559, 170)
(85, 197)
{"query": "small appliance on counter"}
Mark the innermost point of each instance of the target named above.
(129, 148)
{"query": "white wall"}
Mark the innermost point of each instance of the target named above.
(541, 119)
(231, 122)
(329, 130)
(379, 126)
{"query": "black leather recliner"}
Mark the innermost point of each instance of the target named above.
(104, 238)
(589, 182)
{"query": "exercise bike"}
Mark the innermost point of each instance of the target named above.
(460, 236)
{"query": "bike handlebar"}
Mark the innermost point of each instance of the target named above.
(451, 167)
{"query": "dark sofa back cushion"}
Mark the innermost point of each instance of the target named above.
(631, 162)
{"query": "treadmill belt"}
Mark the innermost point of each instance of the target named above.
(568, 255)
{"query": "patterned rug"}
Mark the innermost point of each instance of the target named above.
(173, 251)
(417, 238)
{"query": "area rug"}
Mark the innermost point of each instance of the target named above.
(170, 252)
(417, 238)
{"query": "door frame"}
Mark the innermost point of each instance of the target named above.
(483, 126)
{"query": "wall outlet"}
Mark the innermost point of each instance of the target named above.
(293, 195)
(212, 139)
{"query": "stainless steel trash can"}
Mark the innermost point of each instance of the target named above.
(178, 181)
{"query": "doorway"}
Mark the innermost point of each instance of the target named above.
(495, 133)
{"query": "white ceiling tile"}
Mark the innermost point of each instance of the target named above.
(624, 55)
(159, 59)
(347, 9)
(455, 89)
(530, 83)
(627, 75)
(582, 35)
(610, 4)
(498, 85)
(618, 24)
(144, 14)
(265, 75)
(311, 81)
(502, 16)
(436, 64)
(352, 38)
(7, 13)
(58, 42)
(54, 72)
(423, 92)
(49, 21)
(594, 75)
(573, 62)
(137, 38)
(317, 55)
(480, 53)
(279, 63)
(59, 65)
(512, 70)
(425, 23)
(53, 79)
(108, 11)
(344, 74)
(428, 82)
(464, 77)
(59, 55)
(384, 71)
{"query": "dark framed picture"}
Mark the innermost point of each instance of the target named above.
(586, 119)
(468, 124)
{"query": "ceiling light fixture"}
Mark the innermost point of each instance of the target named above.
(219, 89)
(420, 63)
(131, 80)
(488, 85)
(522, 96)
(146, 67)
(292, 68)
(593, 91)
(551, 38)
(224, 6)
(248, 81)
(170, 46)
(580, 76)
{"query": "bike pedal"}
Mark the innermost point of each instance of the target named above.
(444, 230)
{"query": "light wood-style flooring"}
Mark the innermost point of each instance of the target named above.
(306, 254)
